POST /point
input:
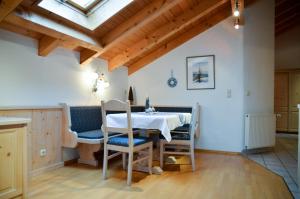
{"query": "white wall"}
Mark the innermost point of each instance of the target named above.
(287, 49)
(29, 80)
(244, 62)
(221, 121)
(259, 57)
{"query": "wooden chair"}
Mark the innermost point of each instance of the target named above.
(126, 143)
(182, 138)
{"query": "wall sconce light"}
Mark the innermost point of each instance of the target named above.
(100, 83)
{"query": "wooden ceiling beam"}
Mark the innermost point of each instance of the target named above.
(47, 45)
(7, 6)
(198, 28)
(163, 33)
(139, 20)
(45, 26)
(87, 55)
(12, 28)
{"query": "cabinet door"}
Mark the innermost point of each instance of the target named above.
(282, 121)
(281, 101)
(294, 100)
(10, 163)
(293, 121)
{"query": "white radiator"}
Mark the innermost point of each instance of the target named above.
(260, 130)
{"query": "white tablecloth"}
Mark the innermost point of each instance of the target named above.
(163, 121)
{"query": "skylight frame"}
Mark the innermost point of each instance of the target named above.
(81, 8)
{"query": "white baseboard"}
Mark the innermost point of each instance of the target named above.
(45, 169)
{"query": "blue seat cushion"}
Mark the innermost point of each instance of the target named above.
(184, 128)
(95, 134)
(123, 140)
(177, 136)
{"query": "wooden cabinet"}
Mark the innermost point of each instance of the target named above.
(287, 97)
(13, 164)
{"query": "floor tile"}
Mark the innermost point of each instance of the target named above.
(283, 160)
(288, 179)
(293, 187)
(296, 195)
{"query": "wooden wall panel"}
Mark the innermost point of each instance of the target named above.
(46, 134)
(44, 131)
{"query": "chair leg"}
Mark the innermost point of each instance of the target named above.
(124, 160)
(105, 162)
(192, 156)
(161, 154)
(129, 172)
(150, 159)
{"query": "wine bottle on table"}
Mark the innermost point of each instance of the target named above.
(147, 104)
(130, 95)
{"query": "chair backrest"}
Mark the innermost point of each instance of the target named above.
(194, 127)
(117, 106)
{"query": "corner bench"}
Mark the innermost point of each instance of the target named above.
(82, 129)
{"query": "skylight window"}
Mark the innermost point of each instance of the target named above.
(87, 13)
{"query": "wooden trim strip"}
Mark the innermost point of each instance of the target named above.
(217, 151)
(12, 126)
(8, 108)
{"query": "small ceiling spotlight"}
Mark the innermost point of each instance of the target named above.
(236, 12)
(237, 24)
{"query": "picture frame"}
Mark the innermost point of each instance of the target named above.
(200, 72)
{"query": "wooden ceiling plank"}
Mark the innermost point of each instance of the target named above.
(142, 18)
(282, 27)
(38, 23)
(178, 24)
(165, 48)
(137, 18)
(47, 45)
(7, 6)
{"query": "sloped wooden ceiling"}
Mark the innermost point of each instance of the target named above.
(134, 37)
(287, 15)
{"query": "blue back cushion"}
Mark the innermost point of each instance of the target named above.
(85, 118)
(174, 109)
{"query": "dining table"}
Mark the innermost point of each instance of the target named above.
(165, 122)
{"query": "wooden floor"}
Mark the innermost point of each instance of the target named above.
(217, 176)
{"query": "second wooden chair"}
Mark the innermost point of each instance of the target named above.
(125, 143)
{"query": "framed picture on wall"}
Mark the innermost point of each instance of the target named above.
(200, 72)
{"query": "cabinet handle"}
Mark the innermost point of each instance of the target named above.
(8, 154)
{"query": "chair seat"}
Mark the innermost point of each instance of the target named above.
(178, 136)
(123, 140)
(95, 134)
(184, 128)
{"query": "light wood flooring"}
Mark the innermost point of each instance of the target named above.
(217, 176)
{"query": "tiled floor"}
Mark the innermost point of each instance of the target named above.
(283, 160)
